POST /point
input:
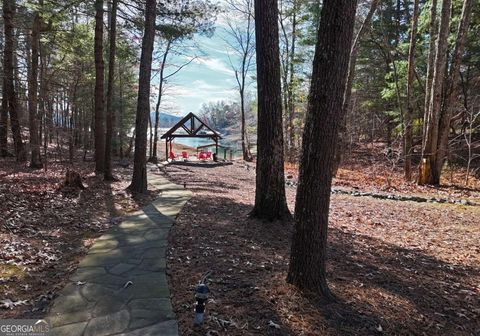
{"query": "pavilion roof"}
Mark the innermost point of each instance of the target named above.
(190, 127)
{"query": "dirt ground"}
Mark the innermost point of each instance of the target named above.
(397, 268)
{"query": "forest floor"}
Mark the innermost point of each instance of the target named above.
(403, 268)
(397, 268)
(45, 230)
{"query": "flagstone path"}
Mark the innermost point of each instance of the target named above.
(120, 287)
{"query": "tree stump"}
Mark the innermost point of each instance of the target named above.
(73, 180)
(424, 172)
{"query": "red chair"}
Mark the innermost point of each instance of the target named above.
(185, 155)
(209, 155)
(172, 155)
(202, 156)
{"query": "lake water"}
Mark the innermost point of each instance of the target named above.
(196, 142)
(191, 142)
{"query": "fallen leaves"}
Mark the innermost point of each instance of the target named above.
(44, 231)
(392, 264)
(9, 304)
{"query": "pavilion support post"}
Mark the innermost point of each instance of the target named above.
(216, 146)
(166, 149)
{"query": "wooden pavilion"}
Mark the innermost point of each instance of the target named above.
(190, 126)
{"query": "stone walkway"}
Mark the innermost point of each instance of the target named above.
(120, 287)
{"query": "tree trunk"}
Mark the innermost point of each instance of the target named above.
(35, 161)
(8, 69)
(110, 113)
(4, 123)
(341, 144)
(291, 90)
(246, 57)
(430, 66)
(451, 87)
(20, 90)
(154, 157)
(120, 111)
(139, 179)
(131, 142)
(410, 101)
(99, 94)
(307, 268)
(427, 172)
(270, 200)
(247, 155)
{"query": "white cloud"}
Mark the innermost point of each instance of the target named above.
(201, 90)
(215, 64)
(191, 97)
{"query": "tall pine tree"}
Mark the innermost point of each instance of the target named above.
(324, 113)
(270, 200)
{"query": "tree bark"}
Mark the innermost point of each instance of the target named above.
(341, 144)
(427, 172)
(410, 102)
(246, 57)
(9, 90)
(430, 65)
(139, 179)
(270, 200)
(99, 90)
(451, 87)
(110, 113)
(4, 123)
(154, 157)
(307, 268)
(150, 138)
(291, 90)
(120, 111)
(35, 161)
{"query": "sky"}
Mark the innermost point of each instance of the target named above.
(208, 78)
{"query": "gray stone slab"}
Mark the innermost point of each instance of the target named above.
(143, 290)
(167, 328)
(121, 268)
(154, 315)
(86, 273)
(110, 279)
(154, 304)
(156, 278)
(95, 292)
(155, 252)
(137, 250)
(107, 305)
(108, 324)
(144, 317)
(69, 301)
(132, 251)
(104, 259)
(70, 304)
(103, 245)
(156, 234)
(75, 329)
(133, 239)
(153, 264)
(61, 319)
